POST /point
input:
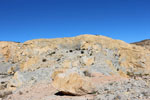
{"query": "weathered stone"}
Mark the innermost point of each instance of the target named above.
(69, 81)
(5, 93)
(88, 61)
(89, 52)
(78, 65)
(143, 43)
(29, 55)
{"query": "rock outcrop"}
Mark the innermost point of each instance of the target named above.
(84, 50)
(41, 60)
(143, 43)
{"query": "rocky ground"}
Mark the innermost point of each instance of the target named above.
(126, 89)
(131, 89)
(85, 67)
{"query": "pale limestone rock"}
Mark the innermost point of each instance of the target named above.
(17, 80)
(75, 63)
(67, 64)
(88, 61)
(71, 82)
(29, 64)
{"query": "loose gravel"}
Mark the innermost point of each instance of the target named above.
(132, 89)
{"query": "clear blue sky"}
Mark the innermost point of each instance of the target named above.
(22, 20)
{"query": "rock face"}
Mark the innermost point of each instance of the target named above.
(69, 62)
(96, 52)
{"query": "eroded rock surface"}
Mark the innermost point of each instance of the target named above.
(26, 64)
(73, 82)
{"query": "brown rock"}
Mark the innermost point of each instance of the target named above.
(143, 43)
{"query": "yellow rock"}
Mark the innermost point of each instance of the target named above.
(8, 49)
(66, 64)
(88, 61)
(28, 65)
(27, 54)
(71, 82)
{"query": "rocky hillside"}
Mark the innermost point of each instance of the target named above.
(144, 43)
(76, 66)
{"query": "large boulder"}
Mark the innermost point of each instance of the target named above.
(73, 82)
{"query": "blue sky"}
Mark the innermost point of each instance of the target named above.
(22, 20)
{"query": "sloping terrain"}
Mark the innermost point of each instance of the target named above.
(77, 68)
(143, 43)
